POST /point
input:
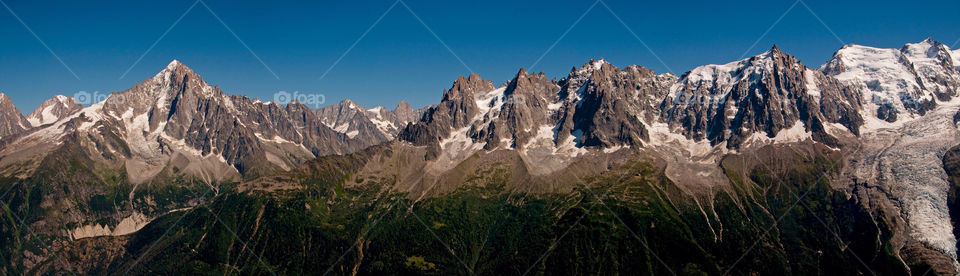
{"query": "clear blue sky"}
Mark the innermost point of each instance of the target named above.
(400, 59)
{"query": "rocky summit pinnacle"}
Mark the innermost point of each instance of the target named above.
(11, 120)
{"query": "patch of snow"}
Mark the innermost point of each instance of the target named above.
(955, 54)
(507, 141)
(795, 133)
(227, 102)
(662, 137)
(596, 65)
(811, 84)
(545, 137)
(489, 102)
(454, 149)
(555, 106)
(569, 147)
(181, 145)
(276, 139)
(384, 127)
(342, 128)
(613, 149)
(835, 129)
(352, 133)
(47, 115)
(377, 110)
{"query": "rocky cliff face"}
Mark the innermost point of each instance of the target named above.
(11, 120)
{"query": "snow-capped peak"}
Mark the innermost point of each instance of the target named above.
(905, 81)
(928, 47)
(173, 64)
(722, 76)
(595, 65)
(53, 110)
(171, 69)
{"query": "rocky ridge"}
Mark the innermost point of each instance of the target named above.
(890, 113)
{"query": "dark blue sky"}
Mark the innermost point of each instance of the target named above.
(400, 59)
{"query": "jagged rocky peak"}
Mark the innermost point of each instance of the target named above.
(579, 76)
(613, 103)
(532, 90)
(344, 117)
(771, 94)
(177, 75)
(459, 105)
(403, 106)
(175, 69)
(589, 67)
(174, 98)
(11, 120)
(402, 114)
(53, 110)
(466, 100)
(459, 102)
(175, 85)
(405, 111)
(511, 115)
(347, 103)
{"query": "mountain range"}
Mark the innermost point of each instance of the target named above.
(759, 166)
